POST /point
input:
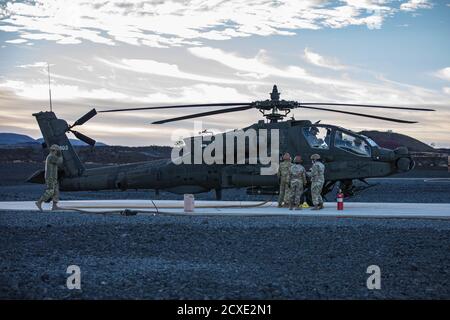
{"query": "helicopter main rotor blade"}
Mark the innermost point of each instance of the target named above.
(362, 105)
(361, 115)
(181, 106)
(204, 114)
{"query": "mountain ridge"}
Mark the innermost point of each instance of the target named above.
(16, 139)
(385, 139)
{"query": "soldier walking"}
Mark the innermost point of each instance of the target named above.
(297, 182)
(52, 162)
(283, 176)
(317, 181)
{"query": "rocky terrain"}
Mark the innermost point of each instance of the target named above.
(162, 257)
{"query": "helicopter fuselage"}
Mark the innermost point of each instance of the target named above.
(347, 156)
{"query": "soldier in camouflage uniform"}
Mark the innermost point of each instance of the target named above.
(52, 162)
(283, 176)
(297, 182)
(317, 181)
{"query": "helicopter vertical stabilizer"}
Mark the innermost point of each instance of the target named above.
(54, 132)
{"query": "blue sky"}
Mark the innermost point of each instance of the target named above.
(143, 53)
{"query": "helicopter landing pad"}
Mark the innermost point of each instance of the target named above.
(243, 208)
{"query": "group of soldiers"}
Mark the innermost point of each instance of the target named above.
(293, 179)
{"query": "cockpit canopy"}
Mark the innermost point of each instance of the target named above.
(318, 136)
(326, 137)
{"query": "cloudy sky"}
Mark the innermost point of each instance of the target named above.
(112, 54)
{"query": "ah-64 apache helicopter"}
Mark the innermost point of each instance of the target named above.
(348, 156)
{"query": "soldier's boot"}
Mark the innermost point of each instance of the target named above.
(55, 206)
(279, 205)
(321, 205)
(39, 205)
(291, 207)
(316, 207)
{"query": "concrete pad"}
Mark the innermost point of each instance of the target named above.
(245, 208)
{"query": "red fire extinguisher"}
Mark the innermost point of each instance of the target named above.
(340, 200)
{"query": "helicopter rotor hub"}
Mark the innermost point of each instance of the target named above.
(275, 110)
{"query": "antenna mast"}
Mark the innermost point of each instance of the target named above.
(49, 89)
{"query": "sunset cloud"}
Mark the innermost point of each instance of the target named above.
(116, 54)
(443, 73)
(175, 23)
(413, 5)
(320, 61)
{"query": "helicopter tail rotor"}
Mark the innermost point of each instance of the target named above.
(82, 120)
(85, 118)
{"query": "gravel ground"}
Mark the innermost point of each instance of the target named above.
(162, 257)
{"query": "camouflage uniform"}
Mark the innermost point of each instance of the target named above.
(298, 180)
(317, 181)
(283, 175)
(52, 162)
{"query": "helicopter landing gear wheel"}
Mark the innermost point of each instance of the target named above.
(347, 187)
